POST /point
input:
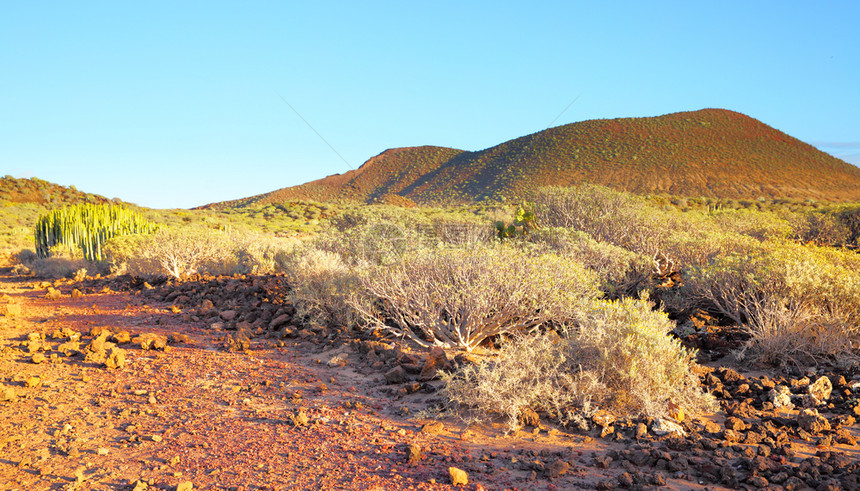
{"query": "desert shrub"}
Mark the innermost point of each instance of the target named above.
(458, 297)
(622, 272)
(616, 355)
(461, 231)
(800, 303)
(607, 215)
(258, 253)
(702, 244)
(819, 228)
(62, 263)
(381, 242)
(760, 225)
(323, 287)
(407, 218)
(175, 252)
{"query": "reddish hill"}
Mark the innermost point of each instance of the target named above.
(712, 152)
(42, 192)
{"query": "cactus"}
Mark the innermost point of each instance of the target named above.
(525, 221)
(87, 226)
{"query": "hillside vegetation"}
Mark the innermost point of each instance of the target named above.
(708, 153)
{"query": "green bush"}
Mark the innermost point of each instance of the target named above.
(760, 225)
(618, 356)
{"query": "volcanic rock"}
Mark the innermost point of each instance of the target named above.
(811, 421)
(436, 360)
(458, 476)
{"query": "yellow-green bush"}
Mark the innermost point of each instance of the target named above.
(617, 355)
(621, 271)
(607, 215)
(799, 302)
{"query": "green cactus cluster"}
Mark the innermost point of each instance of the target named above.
(87, 226)
(525, 221)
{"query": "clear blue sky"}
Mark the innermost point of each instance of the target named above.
(176, 104)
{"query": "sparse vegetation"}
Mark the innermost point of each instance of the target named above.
(616, 355)
(580, 289)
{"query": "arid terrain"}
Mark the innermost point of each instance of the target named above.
(242, 399)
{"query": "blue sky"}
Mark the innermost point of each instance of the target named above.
(178, 104)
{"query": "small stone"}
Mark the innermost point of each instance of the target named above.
(102, 451)
(77, 293)
(663, 427)
(228, 315)
(122, 337)
(396, 375)
(436, 360)
(757, 481)
(115, 359)
(811, 421)
(557, 468)
(821, 389)
(432, 428)
(780, 396)
(736, 424)
(603, 418)
(641, 430)
(179, 338)
(711, 427)
(157, 438)
(528, 417)
(39, 358)
(414, 453)
(185, 486)
(338, 360)
(8, 395)
(300, 418)
(458, 476)
(625, 480)
(33, 382)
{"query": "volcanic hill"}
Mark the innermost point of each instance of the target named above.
(712, 153)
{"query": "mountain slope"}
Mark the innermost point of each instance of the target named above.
(711, 152)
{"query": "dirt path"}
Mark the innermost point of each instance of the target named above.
(269, 418)
(304, 410)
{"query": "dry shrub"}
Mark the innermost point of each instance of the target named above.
(323, 286)
(534, 372)
(800, 303)
(259, 253)
(62, 263)
(381, 243)
(820, 228)
(622, 272)
(607, 215)
(458, 297)
(618, 356)
(179, 252)
(462, 232)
